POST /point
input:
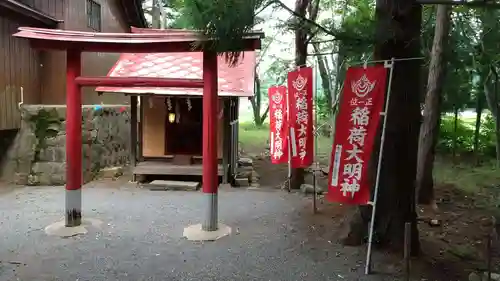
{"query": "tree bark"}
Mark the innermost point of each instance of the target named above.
(455, 135)
(156, 14)
(492, 100)
(256, 102)
(429, 130)
(398, 36)
(479, 113)
(489, 51)
(325, 77)
(301, 33)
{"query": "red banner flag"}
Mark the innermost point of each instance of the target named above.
(355, 130)
(278, 124)
(300, 106)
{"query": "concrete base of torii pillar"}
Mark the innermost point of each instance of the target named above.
(196, 232)
(60, 229)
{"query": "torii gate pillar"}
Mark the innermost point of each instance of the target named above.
(73, 141)
(210, 163)
(72, 223)
(209, 229)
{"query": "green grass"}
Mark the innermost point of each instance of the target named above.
(251, 135)
(255, 139)
(467, 177)
(464, 176)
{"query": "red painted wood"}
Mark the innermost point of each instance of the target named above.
(146, 47)
(210, 100)
(138, 82)
(73, 122)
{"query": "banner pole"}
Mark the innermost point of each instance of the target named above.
(379, 166)
(289, 146)
(315, 135)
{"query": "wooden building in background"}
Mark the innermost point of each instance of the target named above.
(38, 75)
(170, 125)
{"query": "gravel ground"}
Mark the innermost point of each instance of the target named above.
(142, 238)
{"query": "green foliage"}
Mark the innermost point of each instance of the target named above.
(322, 107)
(275, 74)
(464, 136)
(474, 42)
(226, 20)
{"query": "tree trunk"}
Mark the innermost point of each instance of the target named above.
(479, 111)
(300, 61)
(477, 129)
(489, 44)
(255, 101)
(156, 14)
(497, 120)
(339, 72)
(494, 105)
(398, 36)
(325, 77)
(432, 111)
(339, 62)
(455, 129)
(492, 101)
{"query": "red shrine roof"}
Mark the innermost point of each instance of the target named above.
(233, 81)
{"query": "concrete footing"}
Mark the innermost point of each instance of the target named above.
(60, 229)
(196, 233)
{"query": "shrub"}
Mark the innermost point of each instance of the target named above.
(464, 135)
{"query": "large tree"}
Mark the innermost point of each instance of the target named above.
(397, 36)
(432, 110)
(489, 67)
(301, 43)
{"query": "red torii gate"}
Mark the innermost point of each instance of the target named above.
(75, 42)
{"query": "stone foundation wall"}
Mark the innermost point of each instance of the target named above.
(38, 154)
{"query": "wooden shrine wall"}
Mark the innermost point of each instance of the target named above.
(153, 122)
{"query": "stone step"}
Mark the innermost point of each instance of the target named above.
(172, 185)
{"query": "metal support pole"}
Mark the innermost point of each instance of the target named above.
(140, 153)
(379, 166)
(488, 256)
(233, 127)
(407, 250)
(163, 14)
(237, 131)
(226, 139)
(210, 100)
(133, 134)
(289, 150)
(315, 135)
(73, 141)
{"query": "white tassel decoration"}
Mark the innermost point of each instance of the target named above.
(169, 104)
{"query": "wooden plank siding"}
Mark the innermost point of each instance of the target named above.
(41, 74)
(154, 128)
(19, 67)
(96, 64)
(54, 8)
